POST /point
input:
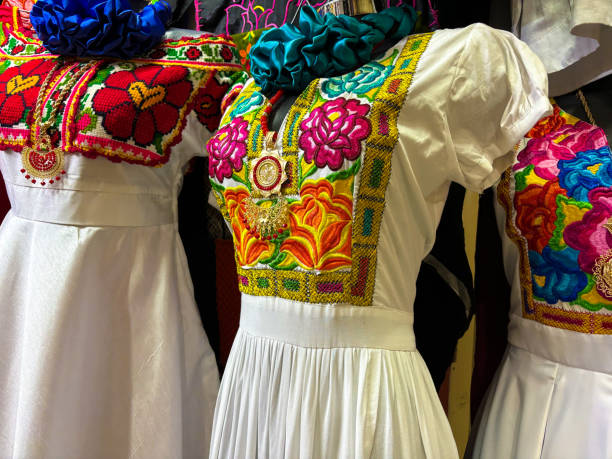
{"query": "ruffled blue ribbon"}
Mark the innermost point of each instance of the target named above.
(290, 57)
(99, 27)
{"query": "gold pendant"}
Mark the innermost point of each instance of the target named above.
(602, 272)
(268, 219)
(42, 162)
(267, 171)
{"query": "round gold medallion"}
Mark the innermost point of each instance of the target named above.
(602, 272)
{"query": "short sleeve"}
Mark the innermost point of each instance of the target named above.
(498, 92)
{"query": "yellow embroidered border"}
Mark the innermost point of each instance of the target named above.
(583, 322)
(357, 286)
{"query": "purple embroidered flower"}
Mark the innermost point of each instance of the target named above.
(334, 131)
(589, 236)
(227, 148)
(544, 153)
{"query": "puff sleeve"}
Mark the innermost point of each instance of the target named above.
(497, 93)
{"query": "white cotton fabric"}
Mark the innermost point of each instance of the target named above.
(343, 381)
(551, 398)
(102, 352)
(573, 38)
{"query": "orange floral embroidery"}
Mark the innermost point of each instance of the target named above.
(249, 249)
(547, 125)
(320, 227)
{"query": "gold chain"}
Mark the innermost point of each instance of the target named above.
(68, 85)
(586, 107)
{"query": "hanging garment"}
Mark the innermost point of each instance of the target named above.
(325, 362)
(102, 352)
(242, 16)
(552, 395)
(573, 39)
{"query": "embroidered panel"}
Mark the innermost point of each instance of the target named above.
(125, 110)
(337, 140)
(558, 202)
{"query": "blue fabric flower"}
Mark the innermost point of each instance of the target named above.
(359, 82)
(589, 169)
(290, 57)
(99, 27)
(563, 278)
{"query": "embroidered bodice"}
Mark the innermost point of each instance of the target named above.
(369, 158)
(133, 111)
(558, 203)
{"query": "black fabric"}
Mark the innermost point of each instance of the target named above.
(199, 245)
(440, 315)
(491, 301)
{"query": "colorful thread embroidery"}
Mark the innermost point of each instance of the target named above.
(337, 139)
(126, 110)
(558, 204)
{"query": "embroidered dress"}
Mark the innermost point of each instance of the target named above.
(324, 363)
(552, 395)
(102, 352)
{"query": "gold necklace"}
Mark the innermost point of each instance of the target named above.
(42, 160)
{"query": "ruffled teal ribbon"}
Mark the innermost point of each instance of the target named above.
(290, 57)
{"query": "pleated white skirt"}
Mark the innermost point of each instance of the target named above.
(299, 384)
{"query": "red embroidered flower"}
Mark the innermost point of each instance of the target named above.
(227, 54)
(19, 87)
(144, 102)
(193, 53)
(333, 132)
(208, 104)
(17, 49)
(536, 213)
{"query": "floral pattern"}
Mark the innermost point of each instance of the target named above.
(589, 236)
(227, 148)
(19, 87)
(125, 110)
(320, 228)
(137, 104)
(333, 132)
(560, 215)
(324, 247)
(368, 77)
(536, 209)
(589, 169)
(249, 249)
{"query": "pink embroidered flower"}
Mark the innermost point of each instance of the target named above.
(589, 236)
(544, 153)
(227, 148)
(334, 131)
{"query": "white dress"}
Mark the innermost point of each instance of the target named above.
(102, 351)
(551, 397)
(324, 363)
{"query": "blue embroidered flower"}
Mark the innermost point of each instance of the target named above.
(359, 82)
(556, 275)
(589, 169)
(247, 104)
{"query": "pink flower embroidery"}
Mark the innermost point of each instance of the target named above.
(227, 148)
(334, 131)
(544, 153)
(589, 236)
